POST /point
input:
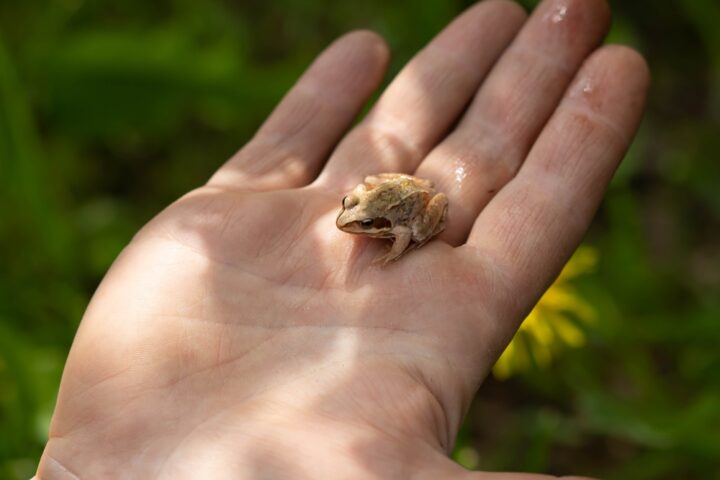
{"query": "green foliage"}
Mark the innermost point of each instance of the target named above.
(111, 109)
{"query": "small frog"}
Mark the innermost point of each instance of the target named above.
(396, 206)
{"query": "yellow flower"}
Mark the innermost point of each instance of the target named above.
(553, 323)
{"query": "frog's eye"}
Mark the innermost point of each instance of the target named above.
(349, 201)
(367, 223)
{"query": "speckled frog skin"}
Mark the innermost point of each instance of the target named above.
(396, 206)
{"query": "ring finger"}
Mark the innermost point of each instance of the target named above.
(486, 149)
(426, 97)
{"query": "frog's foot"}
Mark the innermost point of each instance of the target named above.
(399, 247)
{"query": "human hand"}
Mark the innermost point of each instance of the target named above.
(242, 335)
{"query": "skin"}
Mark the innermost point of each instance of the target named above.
(242, 335)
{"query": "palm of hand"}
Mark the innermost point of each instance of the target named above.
(234, 277)
(241, 331)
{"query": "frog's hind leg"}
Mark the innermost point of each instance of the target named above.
(433, 221)
(379, 178)
(374, 180)
(399, 247)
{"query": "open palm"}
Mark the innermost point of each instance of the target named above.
(241, 335)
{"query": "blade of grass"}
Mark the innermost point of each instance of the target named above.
(22, 168)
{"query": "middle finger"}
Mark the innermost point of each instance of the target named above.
(426, 97)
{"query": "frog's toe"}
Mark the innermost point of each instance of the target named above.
(386, 258)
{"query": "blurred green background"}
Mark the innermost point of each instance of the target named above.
(111, 109)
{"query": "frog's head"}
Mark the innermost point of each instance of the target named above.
(363, 212)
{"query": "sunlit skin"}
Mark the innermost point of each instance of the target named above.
(242, 335)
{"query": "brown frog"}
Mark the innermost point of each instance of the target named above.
(394, 206)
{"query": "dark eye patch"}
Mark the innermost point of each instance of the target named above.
(381, 223)
(378, 223)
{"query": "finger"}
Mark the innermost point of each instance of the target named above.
(528, 231)
(426, 97)
(291, 146)
(496, 133)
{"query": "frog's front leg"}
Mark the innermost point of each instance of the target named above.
(432, 221)
(403, 236)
